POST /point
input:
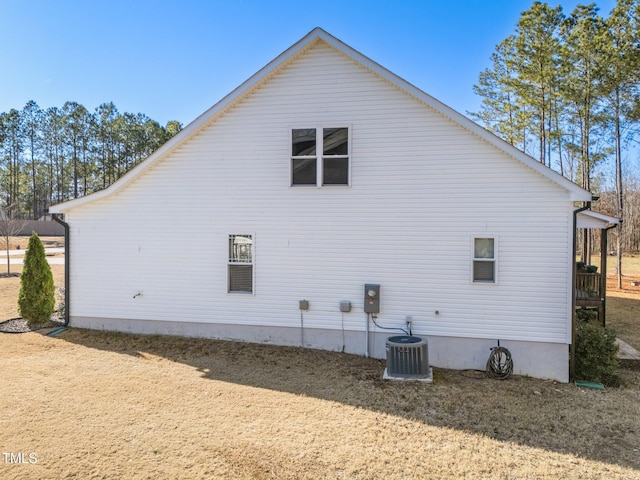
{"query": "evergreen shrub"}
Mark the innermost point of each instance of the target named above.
(596, 354)
(36, 299)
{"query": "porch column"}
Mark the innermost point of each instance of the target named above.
(603, 273)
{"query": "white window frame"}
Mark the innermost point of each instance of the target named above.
(252, 263)
(319, 156)
(493, 260)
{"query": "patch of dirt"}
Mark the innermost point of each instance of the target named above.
(630, 284)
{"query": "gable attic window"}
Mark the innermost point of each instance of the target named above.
(320, 156)
(484, 260)
(240, 266)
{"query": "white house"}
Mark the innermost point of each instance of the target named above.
(321, 173)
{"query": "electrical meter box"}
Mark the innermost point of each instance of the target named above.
(371, 298)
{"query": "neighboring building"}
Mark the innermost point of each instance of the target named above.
(322, 173)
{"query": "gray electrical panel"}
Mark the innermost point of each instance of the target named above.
(371, 298)
(345, 306)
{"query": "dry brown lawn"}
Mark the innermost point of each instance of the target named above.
(623, 305)
(100, 405)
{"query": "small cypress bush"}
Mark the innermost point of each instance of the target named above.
(596, 354)
(36, 299)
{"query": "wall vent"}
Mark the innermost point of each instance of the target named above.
(407, 358)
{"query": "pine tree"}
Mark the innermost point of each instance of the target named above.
(585, 63)
(622, 42)
(36, 299)
(537, 47)
(501, 110)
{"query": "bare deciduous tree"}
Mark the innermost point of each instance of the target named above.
(9, 227)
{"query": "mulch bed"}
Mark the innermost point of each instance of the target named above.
(8, 275)
(19, 325)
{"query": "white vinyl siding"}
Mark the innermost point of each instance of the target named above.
(421, 187)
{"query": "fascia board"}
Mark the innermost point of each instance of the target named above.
(591, 219)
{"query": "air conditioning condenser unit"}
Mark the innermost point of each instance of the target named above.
(407, 359)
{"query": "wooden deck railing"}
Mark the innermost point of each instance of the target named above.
(589, 293)
(588, 286)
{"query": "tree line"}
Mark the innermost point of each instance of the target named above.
(48, 156)
(565, 89)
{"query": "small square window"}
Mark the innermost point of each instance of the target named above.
(483, 248)
(241, 278)
(303, 142)
(335, 141)
(483, 271)
(305, 171)
(335, 171)
(320, 156)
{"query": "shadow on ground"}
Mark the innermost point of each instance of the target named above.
(562, 418)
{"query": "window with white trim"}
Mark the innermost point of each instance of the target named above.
(484, 260)
(320, 156)
(240, 267)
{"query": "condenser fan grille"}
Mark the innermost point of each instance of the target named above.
(407, 356)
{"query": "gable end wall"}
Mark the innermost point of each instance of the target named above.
(422, 188)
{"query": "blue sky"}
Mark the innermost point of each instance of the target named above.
(174, 60)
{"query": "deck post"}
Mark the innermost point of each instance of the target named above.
(603, 274)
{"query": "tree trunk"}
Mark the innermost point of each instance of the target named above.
(619, 188)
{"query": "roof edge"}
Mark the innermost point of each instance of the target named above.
(576, 192)
(589, 217)
(193, 127)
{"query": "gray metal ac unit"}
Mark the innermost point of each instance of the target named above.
(407, 357)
